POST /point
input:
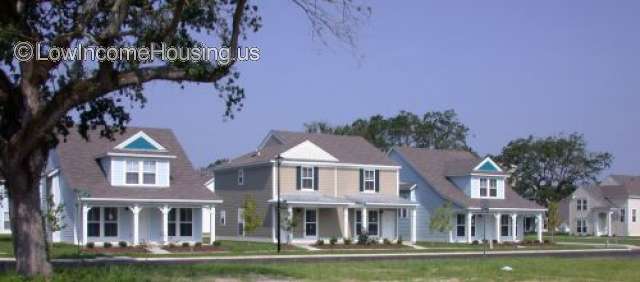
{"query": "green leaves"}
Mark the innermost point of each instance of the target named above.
(442, 218)
(252, 219)
(549, 169)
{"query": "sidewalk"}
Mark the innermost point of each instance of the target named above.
(334, 257)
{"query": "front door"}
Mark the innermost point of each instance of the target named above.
(311, 223)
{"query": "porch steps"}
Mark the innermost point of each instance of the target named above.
(414, 246)
(156, 250)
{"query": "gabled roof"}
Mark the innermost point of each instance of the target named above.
(622, 187)
(80, 167)
(346, 149)
(436, 166)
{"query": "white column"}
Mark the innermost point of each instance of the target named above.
(468, 227)
(413, 225)
(497, 217)
(136, 223)
(290, 222)
(212, 225)
(540, 225)
(365, 222)
(345, 222)
(514, 224)
(609, 231)
(85, 213)
(165, 223)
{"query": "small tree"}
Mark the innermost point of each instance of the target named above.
(441, 218)
(54, 216)
(251, 218)
(553, 218)
(289, 223)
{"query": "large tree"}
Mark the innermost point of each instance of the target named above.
(549, 169)
(434, 130)
(41, 100)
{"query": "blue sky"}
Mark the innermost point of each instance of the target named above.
(509, 68)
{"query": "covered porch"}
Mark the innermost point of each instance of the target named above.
(142, 222)
(602, 221)
(497, 225)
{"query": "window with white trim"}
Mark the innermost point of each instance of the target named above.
(110, 222)
(180, 222)
(460, 225)
(141, 172)
(505, 225)
(223, 218)
(306, 178)
(483, 187)
(241, 222)
(102, 222)
(403, 213)
(493, 187)
(622, 214)
(7, 221)
(241, 176)
(93, 222)
(633, 215)
(581, 204)
(581, 226)
(373, 222)
(369, 180)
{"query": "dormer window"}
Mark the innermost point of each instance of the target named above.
(493, 187)
(488, 186)
(483, 187)
(141, 172)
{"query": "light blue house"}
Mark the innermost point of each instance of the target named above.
(486, 208)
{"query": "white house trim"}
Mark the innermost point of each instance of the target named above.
(134, 137)
(349, 165)
(151, 200)
(487, 159)
(307, 150)
(114, 154)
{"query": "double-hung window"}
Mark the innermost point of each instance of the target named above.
(223, 218)
(140, 172)
(180, 222)
(306, 178)
(493, 187)
(581, 226)
(403, 213)
(633, 215)
(483, 187)
(110, 222)
(7, 221)
(102, 222)
(372, 226)
(369, 180)
(505, 229)
(460, 225)
(93, 222)
(622, 214)
(581, 204)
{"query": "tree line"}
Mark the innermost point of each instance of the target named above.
(543, 169)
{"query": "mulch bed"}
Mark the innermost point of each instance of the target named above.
(114, 250)
(193, 249)
(357, 246)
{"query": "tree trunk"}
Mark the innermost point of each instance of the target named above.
(27, 222)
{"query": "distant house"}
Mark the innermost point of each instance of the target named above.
(485, 207)
(329, 186)
(138, 188)
(610, 208)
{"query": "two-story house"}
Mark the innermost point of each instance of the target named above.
(139, 188)
(610, 208)
(484, 206)
(329, 186)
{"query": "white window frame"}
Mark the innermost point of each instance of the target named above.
(102, 221)
(403, 213)
(240, 176)
(633, 215)
(377, 223)
(154, 171)
(371, 179)
(177, 221)
(6, 221)
(507, 225)
(303, 178)
(141, 171)
(314, 222)
(241, 221)
(488, 181)
(356, 221)
(623, 214)
(485, 187)
(462, 224)
(223, 218)
(493, 188)
(581, 226)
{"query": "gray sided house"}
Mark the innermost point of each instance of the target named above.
(610, 208)
(484, 205)
(329, 187)
(138, 188)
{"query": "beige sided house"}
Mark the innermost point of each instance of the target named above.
(332, 186)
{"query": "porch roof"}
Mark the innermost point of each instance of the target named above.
(379, 200)
(146, 201)
(313, 199)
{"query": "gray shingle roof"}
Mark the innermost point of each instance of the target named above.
(80, 167)
(376, 199)
(436, 165)
(629, 186)
(313, 198)
(347, 149)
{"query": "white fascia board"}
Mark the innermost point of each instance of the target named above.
(307, 150)
(151, 200)
(136, 155)
(508, 209)
(488, 159)
(327, 164)
(143, 135)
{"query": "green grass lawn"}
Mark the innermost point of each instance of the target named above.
(589, 239)
(524, 269)
(58, 250)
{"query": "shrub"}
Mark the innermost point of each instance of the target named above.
(386, 241)
(185, 244)
(372, 241)
(333, 241)
(363, 238)
(546, 241)
(320, 242)
(475, 242)
(198, 244)
(91, 245)
(495, 242)
(172, 245)
(107, 245)
(346, 241)
(122, 244)
(399, 242)
(217, 243)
